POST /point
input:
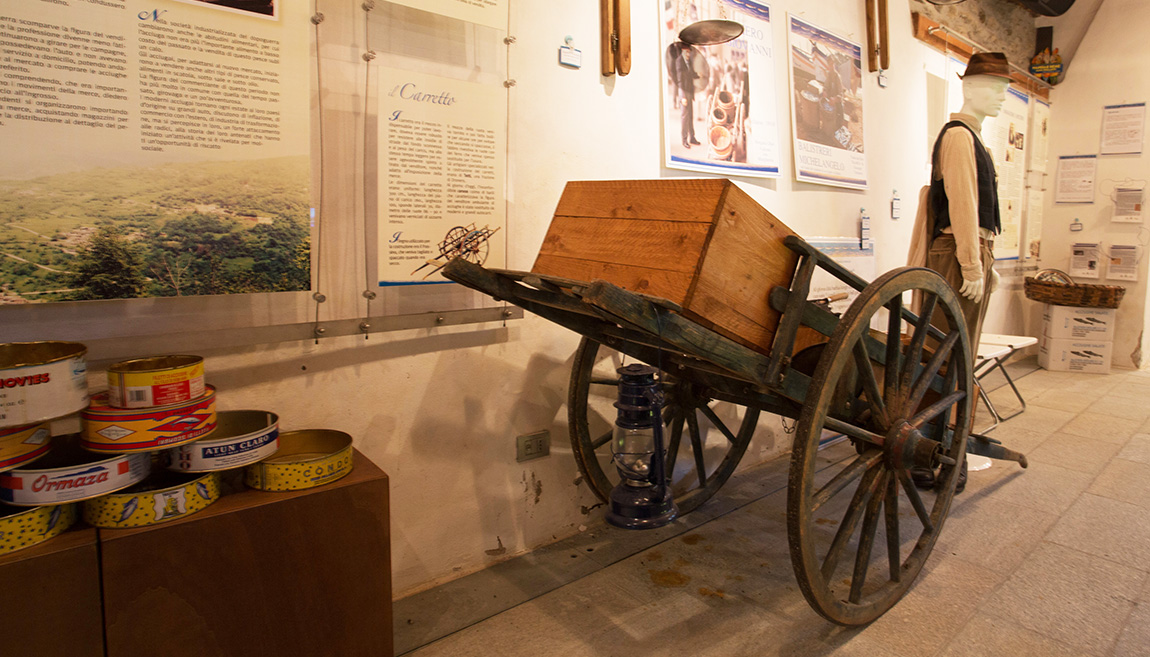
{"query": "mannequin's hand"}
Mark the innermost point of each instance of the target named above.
(993, 281)
(972, 290)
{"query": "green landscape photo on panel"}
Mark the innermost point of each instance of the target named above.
(178, 229)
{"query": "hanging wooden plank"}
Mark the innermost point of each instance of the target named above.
(606, 31)
(871, 40)
(883, 35)
(623, 36)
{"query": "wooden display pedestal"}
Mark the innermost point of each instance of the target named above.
(52, 598)
(256, 574)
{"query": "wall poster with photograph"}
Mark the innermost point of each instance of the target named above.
(710, 123)
(157, 152)
(826, 107)
(1007, 137)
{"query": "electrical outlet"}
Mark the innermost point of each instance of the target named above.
(532, 445)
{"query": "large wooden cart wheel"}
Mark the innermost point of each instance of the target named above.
(702, 450)
(859, 530)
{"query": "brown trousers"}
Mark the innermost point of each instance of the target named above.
(942, 259)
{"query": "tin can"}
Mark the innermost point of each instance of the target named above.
(305, 459)
(158, 381)
(241, 438)
(23, 528)
(22, 445)
(118, 430)
(70, 474)
(162, 497)
(41, 381)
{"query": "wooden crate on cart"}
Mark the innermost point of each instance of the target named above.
(705, 245)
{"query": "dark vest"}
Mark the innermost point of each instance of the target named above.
(988, 215)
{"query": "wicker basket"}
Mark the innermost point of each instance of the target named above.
(1062, 294)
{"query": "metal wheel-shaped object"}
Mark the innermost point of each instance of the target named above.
(702, 450)
(859, 530)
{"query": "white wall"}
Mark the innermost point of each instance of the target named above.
(438, 409)
(1108, 70)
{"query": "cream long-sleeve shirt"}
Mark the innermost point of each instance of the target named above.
(959, 174)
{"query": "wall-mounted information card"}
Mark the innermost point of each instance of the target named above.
(1084, 260)
(1122, 128)
(1075, 181)
(1128, 205)
(1123, 262)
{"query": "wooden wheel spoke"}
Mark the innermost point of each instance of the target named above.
(937, 408)
(847, 527)
(915, 500)
(890, 505)
(866, 539)
(602, 440)
(710, 413)
(844, 478)
(932, 368)
(941, 432)
(747, 429)
(914, 351)
(854, 431)
(893, 351)
(673, 444)
(697, 446)
(870, 383)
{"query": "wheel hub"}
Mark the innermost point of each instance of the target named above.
(905, 447)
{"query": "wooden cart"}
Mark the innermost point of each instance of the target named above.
(903, 397)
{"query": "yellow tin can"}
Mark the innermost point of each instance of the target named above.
(157, 381)
(305, 459)
(22, 445)
(23, 528)
(118, 430)
(162, 497)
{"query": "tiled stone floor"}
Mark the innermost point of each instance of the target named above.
(1049, 561)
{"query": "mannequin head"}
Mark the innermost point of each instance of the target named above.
(983, 95)
(984, 84)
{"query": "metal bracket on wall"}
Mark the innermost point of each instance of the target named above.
(192, 341)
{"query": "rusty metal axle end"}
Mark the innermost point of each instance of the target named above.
(906, 448)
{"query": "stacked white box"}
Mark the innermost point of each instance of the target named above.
(1076, 339)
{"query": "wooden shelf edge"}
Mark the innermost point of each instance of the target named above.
(942, 39)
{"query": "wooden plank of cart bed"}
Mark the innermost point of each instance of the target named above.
(678, 332)
(530, 278)
(559, 308)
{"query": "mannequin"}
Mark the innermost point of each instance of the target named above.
(963, 198)
(962, 206)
